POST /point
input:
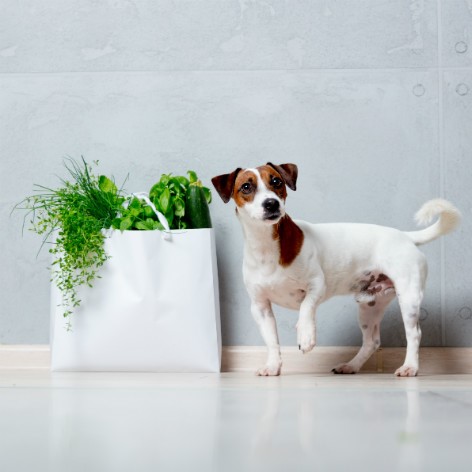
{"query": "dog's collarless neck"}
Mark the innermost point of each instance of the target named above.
(285, 237)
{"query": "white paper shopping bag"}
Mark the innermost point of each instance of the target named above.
(154, 309)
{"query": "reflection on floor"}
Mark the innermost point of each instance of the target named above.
(233, 422)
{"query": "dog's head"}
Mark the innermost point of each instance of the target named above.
(259, 193)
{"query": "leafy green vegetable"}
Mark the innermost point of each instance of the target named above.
(107, 185)
(164, 200)
(192, 176)
(72, 218)
(169, 196)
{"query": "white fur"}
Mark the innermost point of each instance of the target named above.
(449, 219)
(333, 259)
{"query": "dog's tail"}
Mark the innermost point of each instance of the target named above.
(449, 219)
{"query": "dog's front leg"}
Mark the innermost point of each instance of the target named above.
(265, 319)
(306, 329)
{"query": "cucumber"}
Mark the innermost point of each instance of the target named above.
(196, 208)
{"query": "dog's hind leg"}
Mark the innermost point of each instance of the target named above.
(410, 307)
(410, 290)
(370, 317)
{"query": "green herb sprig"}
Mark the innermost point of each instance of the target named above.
(71, 219)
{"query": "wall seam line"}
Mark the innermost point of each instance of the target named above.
(442, 176)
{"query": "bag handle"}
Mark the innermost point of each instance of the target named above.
(166, 233)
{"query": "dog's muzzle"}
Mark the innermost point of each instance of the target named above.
(271, 209)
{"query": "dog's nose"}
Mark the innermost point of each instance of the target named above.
(271, 204)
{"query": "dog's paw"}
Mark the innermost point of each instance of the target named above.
(269, 370)
(406, 371)
(306, 337)
(345, 369)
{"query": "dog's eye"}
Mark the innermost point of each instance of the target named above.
(276, 182)
(246, 188)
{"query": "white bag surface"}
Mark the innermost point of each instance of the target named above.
(154, 309)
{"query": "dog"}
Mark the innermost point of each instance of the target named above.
(298, 265)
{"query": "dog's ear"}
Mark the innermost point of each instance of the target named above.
(224, 184)
(289, 173)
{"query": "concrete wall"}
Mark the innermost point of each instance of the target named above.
(372, 99)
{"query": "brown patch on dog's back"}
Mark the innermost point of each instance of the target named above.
(290, 238)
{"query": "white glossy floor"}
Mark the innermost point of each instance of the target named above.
(86, 422)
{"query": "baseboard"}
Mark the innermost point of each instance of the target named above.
(24, 356)
(433, 360)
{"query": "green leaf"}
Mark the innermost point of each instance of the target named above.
(183, 181)
(149, 212)
(170, 217)
(126, 223)
(106, 185)
(135, 204)
(174, 186)
(116, 223)
(164, 179)
(152, 224)
(179, 207)
(192, 176)
(157, 204)
(207, 193)
(164, 201)
(141, 225)
(156, 190)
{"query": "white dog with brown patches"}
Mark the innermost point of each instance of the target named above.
(299, 265)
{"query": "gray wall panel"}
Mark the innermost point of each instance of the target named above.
(458, 249)
(456, 18)
(91, 35)
(365, 96)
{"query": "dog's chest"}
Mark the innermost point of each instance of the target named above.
(287, 295)
(267, 279)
